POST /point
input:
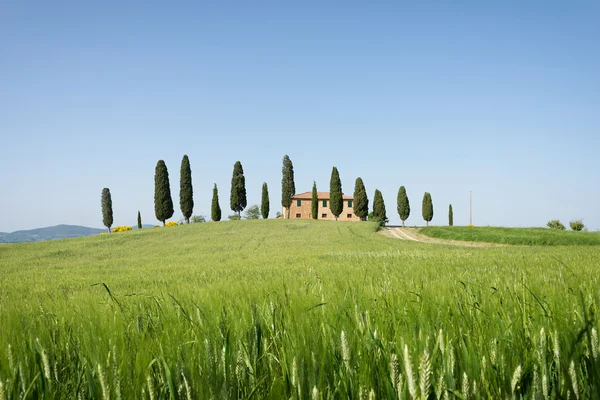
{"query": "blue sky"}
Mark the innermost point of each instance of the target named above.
(501, 98)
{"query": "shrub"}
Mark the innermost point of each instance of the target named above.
(234, 217)
(577, 226)
(121, 229)
(555, 224)
(171, 223)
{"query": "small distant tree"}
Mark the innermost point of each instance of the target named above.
(196, 219)
(314, 206)
(237, 200)
(215, 208)
(555, 224)
(379, 212)
(139, 220)
(336, 200)
(577, 226)
(107, 211)
(163, 204)
(427, 210)
(361, 201)
(288, 186)
(450, 216)
(186, 192)
(403, 205)
(278, 215)
(253, 212)
(265, 204)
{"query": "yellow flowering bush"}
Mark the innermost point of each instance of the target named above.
(171, 223)
(121, 229)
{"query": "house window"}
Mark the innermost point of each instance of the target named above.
(323, 215)
(324, 203)
(298, 215)
(298, 203)
(349, 203)
(349, 216)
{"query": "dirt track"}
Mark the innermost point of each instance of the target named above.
(414, 235)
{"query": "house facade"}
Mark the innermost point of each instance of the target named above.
(301, 207)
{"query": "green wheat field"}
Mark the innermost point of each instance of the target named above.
(295, 310)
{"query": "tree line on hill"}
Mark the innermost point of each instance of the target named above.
(163, 203)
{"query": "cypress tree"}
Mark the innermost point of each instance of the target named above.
(264, 206)
(186, 192)
(403, 205)
(379, 212)
(314, 206)
(288, 187)
(107, 212)
(139, 220)
(237, 199)
(163, 204)
(216, 208)
(361, 201)
(336, 201)
(427, 208)
(450, 216)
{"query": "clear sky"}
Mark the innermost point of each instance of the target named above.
(498, 97)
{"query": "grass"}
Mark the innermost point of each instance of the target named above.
(295, 309)
(515, 236)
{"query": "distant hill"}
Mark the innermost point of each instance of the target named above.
(49, 233)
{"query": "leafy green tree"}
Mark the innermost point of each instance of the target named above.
(427, 209)
(403, 205)
(253, 212)
(163, 204)
(288, 187)
(336, 200)
(314, 206)
(555, 224)
(107, 211)
(265, 204)
(379, 213)
(139, 220)
(450, 216)
(216, 208)
(361, 201)
(237, 199)
(196, 219)
(186, 192)
(577, 226)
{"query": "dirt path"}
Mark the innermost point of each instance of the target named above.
(414, 235)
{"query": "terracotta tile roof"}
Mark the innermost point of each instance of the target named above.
(320, 196)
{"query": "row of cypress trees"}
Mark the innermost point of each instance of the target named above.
(163, 203)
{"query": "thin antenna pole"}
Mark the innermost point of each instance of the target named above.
(470, 207)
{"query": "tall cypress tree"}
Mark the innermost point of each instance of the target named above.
(237, 199)
(314, 205)
(427, 208)
(107, 212)
(361, 201)
(379, 212)
(186, 192)
(336, 201)
(163, 204)
(265, 204)
(139, 220)
(215, 208)
(288, 187)
(403, 205)
(450, 216)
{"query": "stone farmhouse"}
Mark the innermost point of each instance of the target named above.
(301, 207)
